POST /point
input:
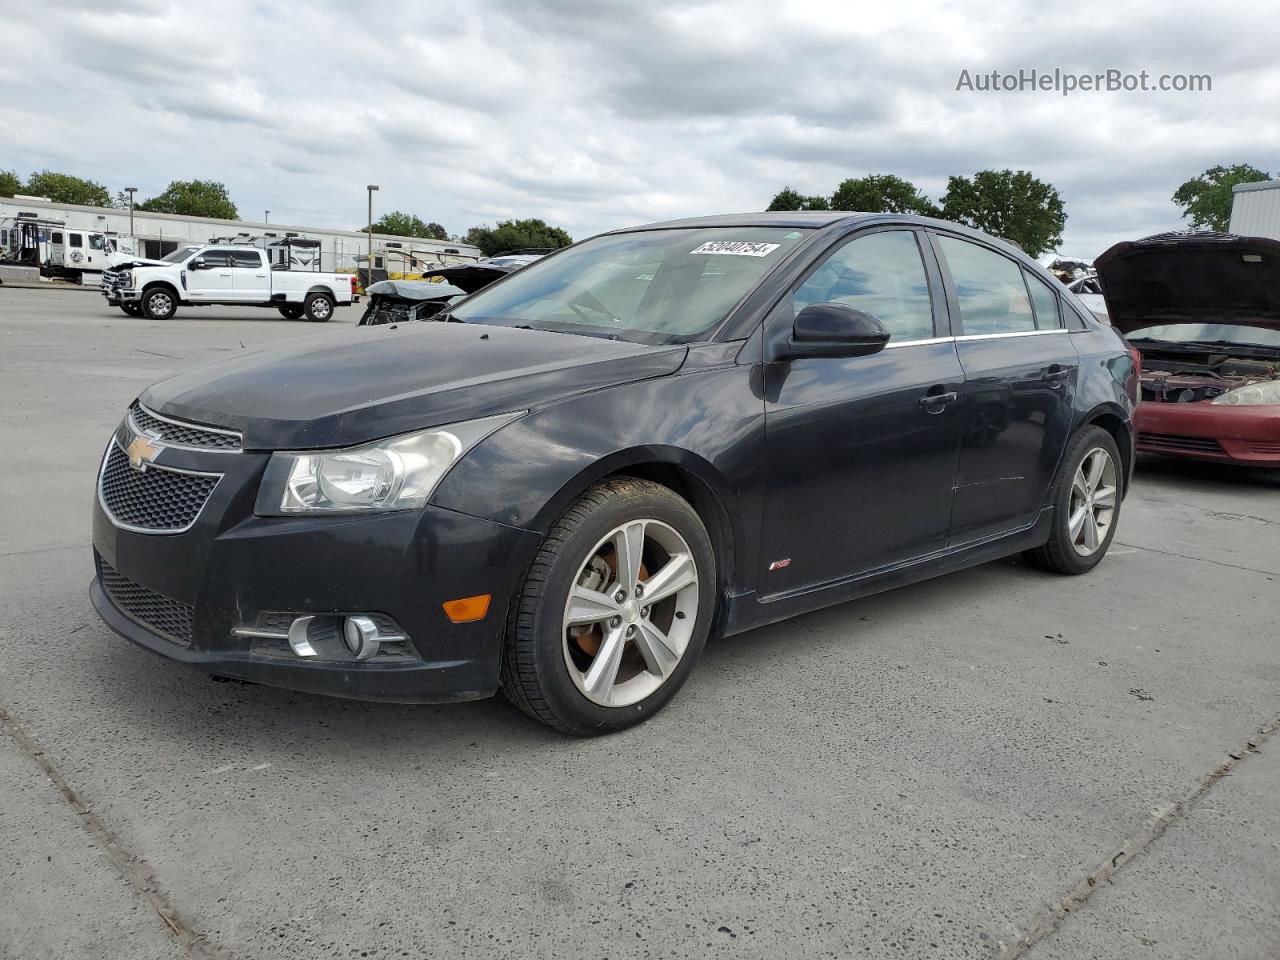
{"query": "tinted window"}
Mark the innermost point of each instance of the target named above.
(246, 258)
(880, 274)
(1045, 302)
(95, 242)
(55, 238)
(993, 298)
(216, 258)
(75, 240)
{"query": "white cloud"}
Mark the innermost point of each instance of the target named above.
(600, 114)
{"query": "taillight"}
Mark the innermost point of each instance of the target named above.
(355, 285)
(1136, 354)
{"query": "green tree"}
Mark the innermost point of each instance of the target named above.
(402, 224)
(1009, 204)
(516, 235)
(64, 188)
(881, 193)
(10, 183)
(193, 198)
(1206, 199)
(787, 199)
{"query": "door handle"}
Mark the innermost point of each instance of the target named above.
(936, 402)
(1055, 375)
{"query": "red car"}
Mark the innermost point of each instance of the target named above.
(1204, 311)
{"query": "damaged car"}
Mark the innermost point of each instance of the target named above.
(1204, 311)
(394, 301)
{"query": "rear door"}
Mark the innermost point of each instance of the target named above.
(1020, 372)
(861, 451)
(212, 279)
(251, 281)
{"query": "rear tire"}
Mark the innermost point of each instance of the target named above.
(291, 311)
(1086, 505)
(159, 303)
(600, 664)
(318, 307)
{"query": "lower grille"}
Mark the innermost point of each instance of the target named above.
(1261, 446)
(155, 499)
(169, 618)
(1175, 442)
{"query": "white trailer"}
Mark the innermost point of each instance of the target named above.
(1255, 209)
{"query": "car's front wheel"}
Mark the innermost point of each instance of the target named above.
(159, 303)
(614, 611)
(1086, 505)
(131, 309)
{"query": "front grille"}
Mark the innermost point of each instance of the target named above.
(176, 434)
(1262, 446)
(169, 618)
(157, 499)
(1178, 443)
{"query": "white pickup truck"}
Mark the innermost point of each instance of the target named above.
(232, 274)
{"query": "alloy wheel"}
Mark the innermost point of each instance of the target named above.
(160, 303)
(1093, 502)
(630, 613)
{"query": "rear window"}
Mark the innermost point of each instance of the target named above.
(1045, 302)
(989, 287)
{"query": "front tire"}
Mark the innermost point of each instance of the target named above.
(131, 309)
(159, 303)
(1086, 505)
(614, 611)
(318, 307)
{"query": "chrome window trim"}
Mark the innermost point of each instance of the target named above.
(1014, 333)
(102, 470)
(186, 425)
(917, 343)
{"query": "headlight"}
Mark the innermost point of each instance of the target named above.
(1265, 391)
(398, 473)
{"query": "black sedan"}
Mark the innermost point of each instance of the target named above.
(588, 467)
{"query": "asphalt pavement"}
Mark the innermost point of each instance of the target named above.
(997, 763)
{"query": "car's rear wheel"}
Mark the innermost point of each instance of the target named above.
(614, 612)
(159, 303)
(318, 307)
(291, 311)
(1086, 505)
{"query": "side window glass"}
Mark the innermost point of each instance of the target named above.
(95, 242)
(216, 258)
(1045, 302)
(55, 238)
(989, 287)
(880, 274)
(75, 240)
(246, 258)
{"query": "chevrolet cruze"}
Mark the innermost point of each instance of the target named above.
(563, 484)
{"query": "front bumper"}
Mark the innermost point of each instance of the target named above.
(232, 566)
(1244, 434)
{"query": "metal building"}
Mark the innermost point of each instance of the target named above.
(1255, 209)
(160, 233)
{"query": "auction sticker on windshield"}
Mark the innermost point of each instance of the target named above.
(738, 248)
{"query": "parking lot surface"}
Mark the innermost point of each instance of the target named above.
(997, 763)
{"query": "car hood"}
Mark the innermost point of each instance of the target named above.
(373, 382)
(130, 263)
(1192, 278)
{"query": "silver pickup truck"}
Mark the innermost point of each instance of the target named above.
(231, 275)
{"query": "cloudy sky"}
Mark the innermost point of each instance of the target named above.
(594, 115)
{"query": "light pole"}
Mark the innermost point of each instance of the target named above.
(131, 191)
(266, 217)
(372, 187)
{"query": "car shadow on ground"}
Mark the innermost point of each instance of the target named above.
(1205, 476)
(167, 700)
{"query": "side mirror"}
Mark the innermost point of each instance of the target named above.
(833, 330)
(198, 264)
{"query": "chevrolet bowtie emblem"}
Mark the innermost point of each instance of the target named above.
(141, 451)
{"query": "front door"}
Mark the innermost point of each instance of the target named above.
(211, 278)
(860, 460)
(1020, 373)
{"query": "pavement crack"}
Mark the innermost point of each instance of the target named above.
(132, 869)
(1053, 916)
(1186, 556)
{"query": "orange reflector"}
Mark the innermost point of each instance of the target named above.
(468, 609)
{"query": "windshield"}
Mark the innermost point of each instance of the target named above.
(656, 286)
(1228, 333)
(181, 254)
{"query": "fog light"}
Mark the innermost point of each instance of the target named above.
(361, 637)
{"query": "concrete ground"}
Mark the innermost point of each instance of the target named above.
(998, 763)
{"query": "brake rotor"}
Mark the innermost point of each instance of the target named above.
(589, 640)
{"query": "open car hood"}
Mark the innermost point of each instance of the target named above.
(1192, 278)
(472, 276)
(413, 291)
